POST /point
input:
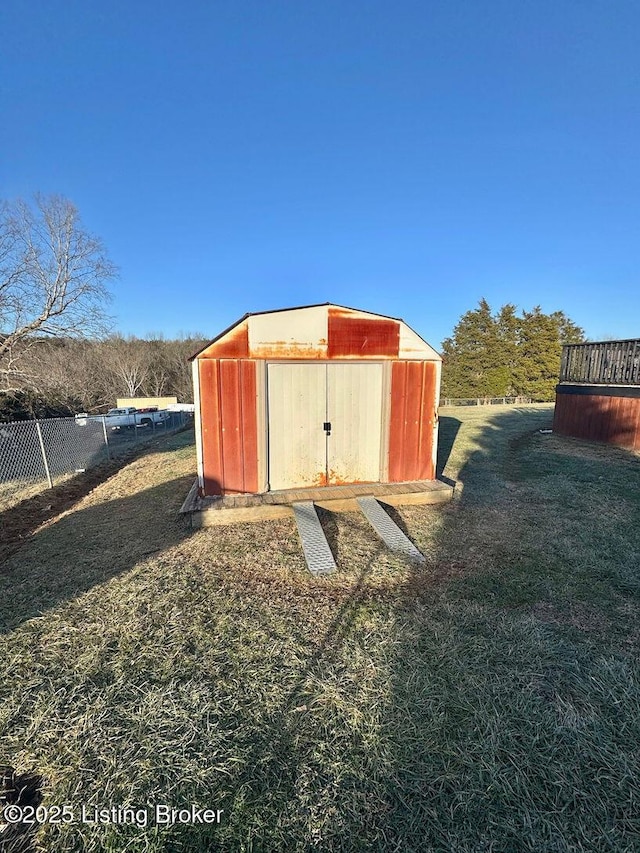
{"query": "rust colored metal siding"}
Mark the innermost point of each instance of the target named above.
(235, 344)
(229, 426)
(249, 426)
(411, 428)
(362, 337)
(608, 414)
(212, 470)
(386, 410)
(319, 332)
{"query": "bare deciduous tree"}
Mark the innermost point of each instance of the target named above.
(69, 375)
(128, 361)
(53, 277)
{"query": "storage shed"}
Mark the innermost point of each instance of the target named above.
(319, 395)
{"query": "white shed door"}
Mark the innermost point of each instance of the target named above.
(354, 409)
(302, 399)
(297, 395)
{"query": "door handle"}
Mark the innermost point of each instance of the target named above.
(327, 427)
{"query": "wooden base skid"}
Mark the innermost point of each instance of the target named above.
(213, 512)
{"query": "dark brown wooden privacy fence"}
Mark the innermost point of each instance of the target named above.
(605, 363)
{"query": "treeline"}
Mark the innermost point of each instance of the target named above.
(499, 354)
(504, 354)
(60, 377)
(55, 358)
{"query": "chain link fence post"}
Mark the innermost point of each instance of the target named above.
(44, 455)
(106, 438)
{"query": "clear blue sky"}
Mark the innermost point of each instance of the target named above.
(407, 158)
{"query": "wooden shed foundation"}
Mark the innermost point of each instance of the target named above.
(232, 509)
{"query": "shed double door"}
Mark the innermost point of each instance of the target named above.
(325, 424)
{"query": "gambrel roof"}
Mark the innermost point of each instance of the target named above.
(321, 332)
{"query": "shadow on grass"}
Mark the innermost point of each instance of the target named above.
(447, 432)
(489, 731)
(375, 792)
(18, 522)
(23, 790)
(499, 724)
(284, 765)
(88, 547)
(494, 730)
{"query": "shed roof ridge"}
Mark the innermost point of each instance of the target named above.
(249, 314)
(321, 305)
(291, 308)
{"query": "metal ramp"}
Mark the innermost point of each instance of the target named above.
(316, 549)
(388, 530)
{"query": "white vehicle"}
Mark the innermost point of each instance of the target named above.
(189, 408)
(127, 418)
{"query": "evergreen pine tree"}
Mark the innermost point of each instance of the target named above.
(539, 351)
(506, 355)
(472, 357)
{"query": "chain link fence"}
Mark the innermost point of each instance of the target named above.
(38, 454)
(484, 401)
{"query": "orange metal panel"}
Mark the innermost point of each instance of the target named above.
(235, 344)
(229, 426)
(249, 425)
(210, 426)
(428, 413)
(411, 435)
(361, 337)
(397, 421)
(412, 421)
(286, 350)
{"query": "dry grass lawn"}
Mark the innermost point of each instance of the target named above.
(489, 701)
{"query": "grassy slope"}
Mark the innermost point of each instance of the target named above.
(487, 702)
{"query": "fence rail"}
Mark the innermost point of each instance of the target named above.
(606, 363)
(38, 454)
(483, 401)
